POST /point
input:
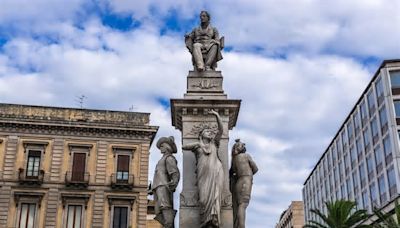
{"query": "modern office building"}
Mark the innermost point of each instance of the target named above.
(293, 217)
(63, 167)
(362, 162)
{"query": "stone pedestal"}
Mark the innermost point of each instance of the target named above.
(190, 115)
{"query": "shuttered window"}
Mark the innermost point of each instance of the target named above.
(123, 167)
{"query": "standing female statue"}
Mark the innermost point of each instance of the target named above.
(210, 174)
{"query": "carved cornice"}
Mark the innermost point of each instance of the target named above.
(65, 197)
(145, 133)
(38, 196)
(112, 198)
(194, 107)
(35, 144)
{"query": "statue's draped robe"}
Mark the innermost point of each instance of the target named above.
(210, 178)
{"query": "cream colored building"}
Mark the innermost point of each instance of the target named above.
(64, 167)
(293, 217)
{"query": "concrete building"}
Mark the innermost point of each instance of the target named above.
(64, 167)
(362, 162)
(293, 217)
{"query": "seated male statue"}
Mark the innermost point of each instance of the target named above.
(204, 44)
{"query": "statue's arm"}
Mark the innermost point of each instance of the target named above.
(191, 146)
(173, 172)
(253, 165)
(220, 126)
(189, 37)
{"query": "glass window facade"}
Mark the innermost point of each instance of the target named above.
(395, 79)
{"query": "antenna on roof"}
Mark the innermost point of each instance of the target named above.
(132, 108)
(80, 100)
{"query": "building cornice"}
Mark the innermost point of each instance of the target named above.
(142, 132)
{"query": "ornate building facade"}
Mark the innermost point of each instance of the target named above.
(63, 167)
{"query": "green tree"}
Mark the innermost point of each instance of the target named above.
(387, 220)
(340, 214)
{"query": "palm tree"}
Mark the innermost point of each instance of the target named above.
(386, 220)
(340, 214)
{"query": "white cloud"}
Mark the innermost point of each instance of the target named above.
(291, 107)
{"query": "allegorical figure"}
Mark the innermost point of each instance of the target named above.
(210, 174)
(204, 44)
(241, 181)
(166, 178)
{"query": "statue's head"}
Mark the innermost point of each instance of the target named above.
(166, 145)
(238, 147)
(204, 16)
(207, 134)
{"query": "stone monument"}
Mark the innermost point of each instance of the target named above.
(166, 178)
(204, 112)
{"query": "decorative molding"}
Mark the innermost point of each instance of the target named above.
(65, 197)
(86, 146)
(116, 149)
(189, 199)
(198, 128)
(146, 133)
(206, 84)
(37, 196)
(40, 145)
(112, 198)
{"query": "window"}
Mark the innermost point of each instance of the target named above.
(374, 130)
(384, 120)
(120, 217)
(371, 102)
(397, 108)
(356, 120)
(27, 215)
(365, 200)
(363, 111)
(359, 149)
(382, 188)
(355, 182)
(366, 138)
(344, 138)
(349, 188)
(370, 167)
(346, 163)
(123, 167)
(362, 175)
(340, 168)
(391, 181)
(395, 79)
(378, 159)
(78, 167)
(342, 190)
(33, 164)
(350, 130)
(374, 197)
(74, 216)
(353, 156)
(379, 90)
(387, 149)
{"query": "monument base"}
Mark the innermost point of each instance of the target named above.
(189, 217)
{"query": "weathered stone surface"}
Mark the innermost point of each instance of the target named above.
(190, 115)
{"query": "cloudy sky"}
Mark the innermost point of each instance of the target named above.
(298, 66)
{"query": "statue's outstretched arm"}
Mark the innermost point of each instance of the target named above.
(220, 126)
(191, 146)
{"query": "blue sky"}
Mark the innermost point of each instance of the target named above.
(298, 66)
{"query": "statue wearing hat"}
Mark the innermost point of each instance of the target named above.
(166, 178)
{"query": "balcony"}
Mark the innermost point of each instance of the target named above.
(30, 178)
(77, 179)
(121, 181)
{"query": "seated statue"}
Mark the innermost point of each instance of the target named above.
(204, 44)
